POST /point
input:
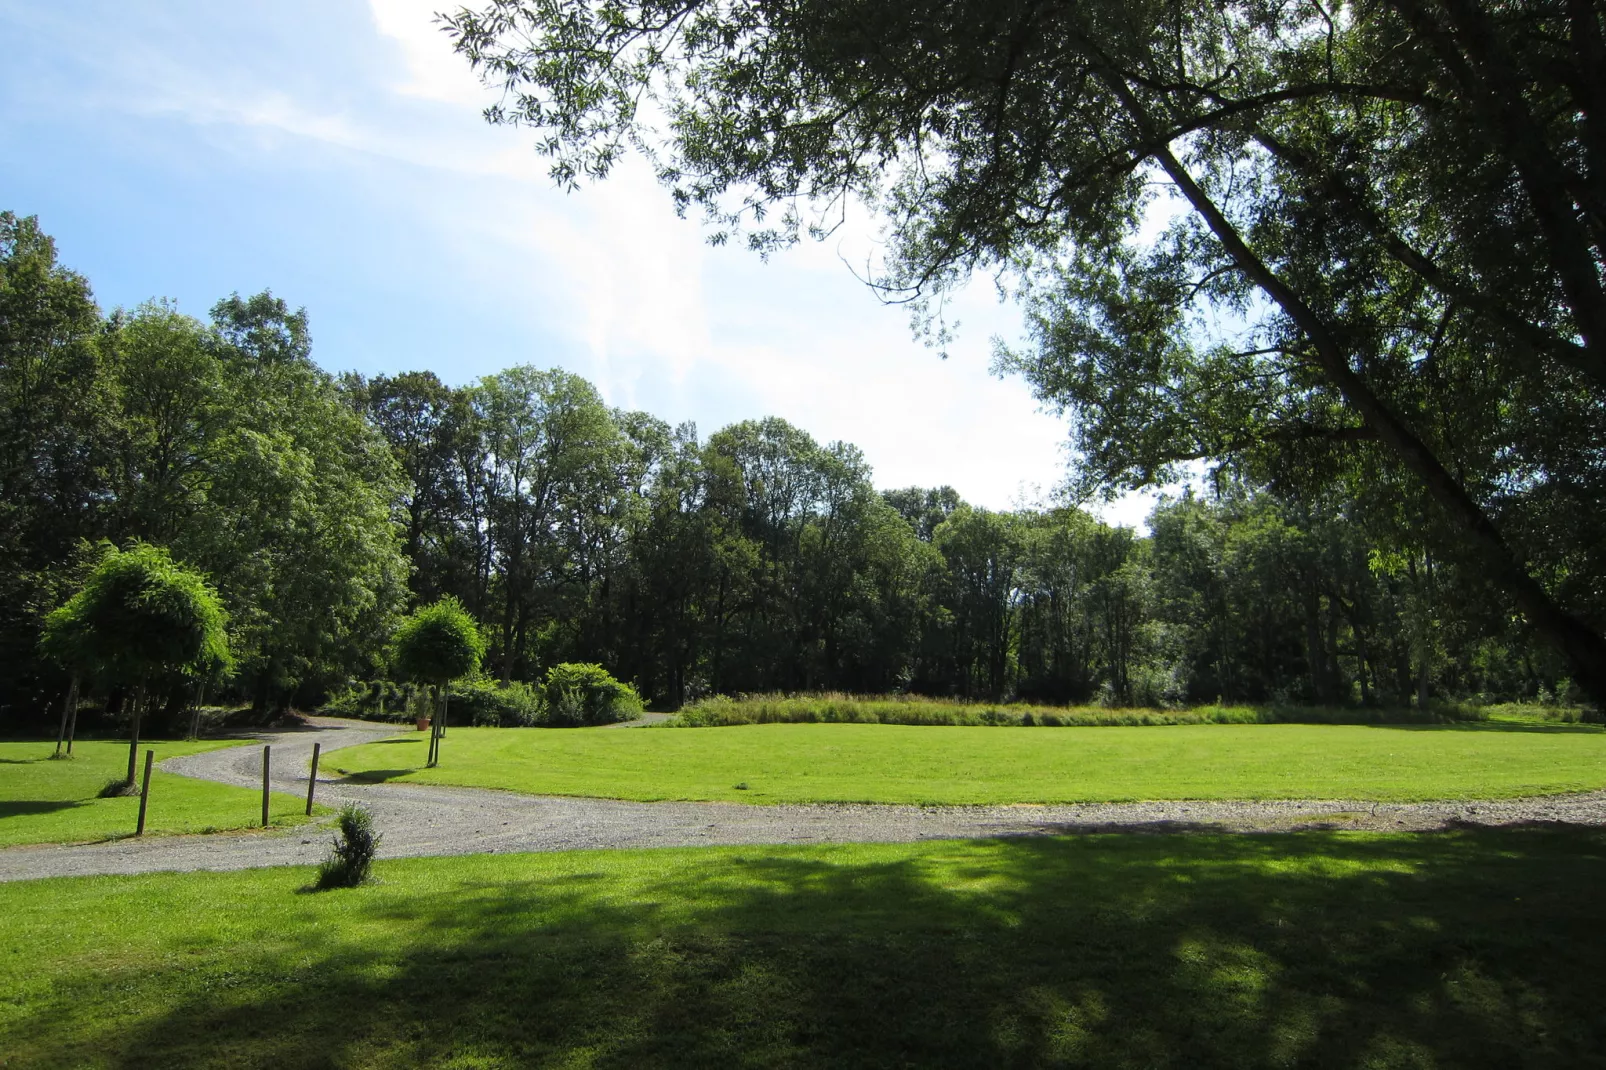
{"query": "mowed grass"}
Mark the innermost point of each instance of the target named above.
(1461, 949)
(781, 763)
(45, 801)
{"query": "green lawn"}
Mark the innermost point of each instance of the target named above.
(44, 801)
(902, 764)
(1462, 949)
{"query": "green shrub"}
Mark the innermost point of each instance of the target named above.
(351, 856)
(586, 694)
(484, 703)
(835, 707)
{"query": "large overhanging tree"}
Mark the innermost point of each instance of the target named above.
(1386, 220)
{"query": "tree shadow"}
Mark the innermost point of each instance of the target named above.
(1493, 726)
(31, 807)
(376, 776)
(1471, 948)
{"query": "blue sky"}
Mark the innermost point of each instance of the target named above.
(334, 152)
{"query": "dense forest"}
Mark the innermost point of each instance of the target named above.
(755, 559)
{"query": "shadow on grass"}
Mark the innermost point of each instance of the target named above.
(31, 807)
(1467, 949)
(1492, 726)
(376, 776)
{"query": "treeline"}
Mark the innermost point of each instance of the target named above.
(753, 560)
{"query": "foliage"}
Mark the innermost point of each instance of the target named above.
(586, 694)
(801, 763)
(1350, 248)
(439, 643)
(351, 855)
(485, 703)
(753, 560)
(139, 617)
(43, 801)
(837, 708)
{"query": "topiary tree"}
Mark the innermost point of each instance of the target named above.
(583, 693)
(434, 646)
(140, 618)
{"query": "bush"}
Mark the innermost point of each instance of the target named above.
(351, 856)
(374, 700)
(483, 703)
(839, 708)
(585, 694)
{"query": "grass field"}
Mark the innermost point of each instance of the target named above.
(44, 801)
(897, 764)
(1464, 949)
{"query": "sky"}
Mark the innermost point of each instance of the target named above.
(334, 152)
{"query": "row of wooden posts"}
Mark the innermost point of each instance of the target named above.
(267, 764)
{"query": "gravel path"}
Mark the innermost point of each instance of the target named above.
(426, 820)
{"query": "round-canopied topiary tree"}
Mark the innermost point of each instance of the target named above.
(139, 619)
(436, 645)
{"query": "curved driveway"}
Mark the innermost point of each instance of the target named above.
(426, 820)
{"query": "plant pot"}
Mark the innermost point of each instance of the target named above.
(423, 724)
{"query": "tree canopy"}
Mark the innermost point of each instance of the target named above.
(756, 558)
(1355, 246)
(439, 643)
(140, 616)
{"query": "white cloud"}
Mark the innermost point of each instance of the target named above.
(434, 72)
(610, 277)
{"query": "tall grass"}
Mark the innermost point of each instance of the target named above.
(839, 707)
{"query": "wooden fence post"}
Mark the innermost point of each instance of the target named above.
(144, 793)
(312, 778)
(265, 750)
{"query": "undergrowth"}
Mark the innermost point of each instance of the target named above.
(838, 707)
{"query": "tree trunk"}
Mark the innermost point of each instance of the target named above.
(72, 727)
(69, 706)
(195, 710)
(133, 735)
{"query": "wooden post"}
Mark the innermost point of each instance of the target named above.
(312, 778)
(144, 793)
(265, 750)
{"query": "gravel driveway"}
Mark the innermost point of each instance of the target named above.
(426, 820)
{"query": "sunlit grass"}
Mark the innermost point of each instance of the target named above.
(900, 764)
(47, 801)
(1465, 949)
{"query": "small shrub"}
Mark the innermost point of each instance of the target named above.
(586, 694)
(351, 855)
(484, 703)
(116, 789)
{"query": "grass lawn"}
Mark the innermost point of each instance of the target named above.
(44, 801)
(903, 764)
(1462, 949)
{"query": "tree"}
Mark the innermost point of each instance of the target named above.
(140, 618)
(56, 444)
(1400, 207)
(436, 645)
